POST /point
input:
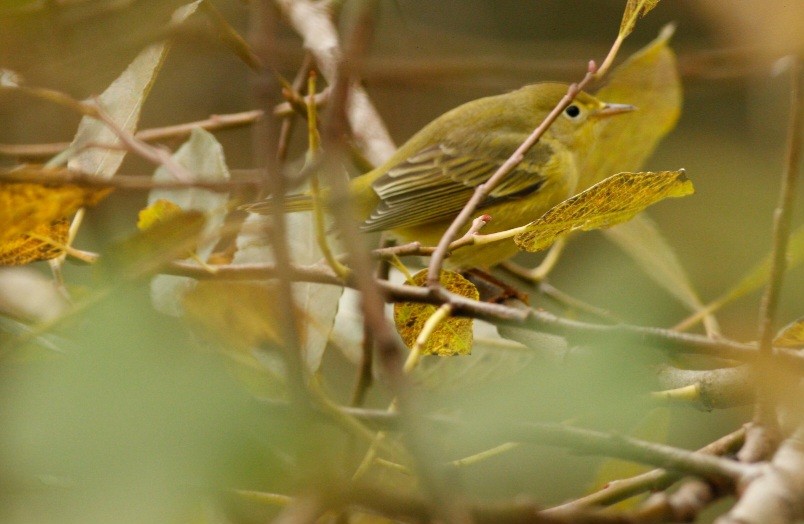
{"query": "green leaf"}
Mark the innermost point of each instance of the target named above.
(641, 239)
(612, 201)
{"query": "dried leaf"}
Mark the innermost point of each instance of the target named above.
(34, 217)
(123, 101)
(634, 9)
(451, 337)
(612, 201)
(791, 336)
(649, 79)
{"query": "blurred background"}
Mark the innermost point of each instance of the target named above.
(428, 57)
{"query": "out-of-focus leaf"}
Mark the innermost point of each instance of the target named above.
(28, 295)
(653, 428)
(158, 211)
(454, 335)
(123, 101)
(641, 239)
(612, 201)
(759, 274)
(241, 315)
(634, 9)
(9, 78)
(319, 303)
(649, 80)
(145, 252)
(492, 360)
(791, 336)
(203, 157)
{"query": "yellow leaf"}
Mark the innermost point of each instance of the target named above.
(44, 242)
(612, 201)
(451, 337)
(649, 80)
(791, 336)
(156, 212)
(633, 10)
(25, 206)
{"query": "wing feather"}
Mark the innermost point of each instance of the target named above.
(435, 183)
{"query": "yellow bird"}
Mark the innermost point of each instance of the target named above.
(422, 187)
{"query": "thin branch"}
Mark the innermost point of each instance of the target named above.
(132, 182)
(765, 418)
(312, 21)
(654, 480)
(714, 469)
(502, 315)
(213, 123)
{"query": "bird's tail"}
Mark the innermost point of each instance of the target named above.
(290, 204)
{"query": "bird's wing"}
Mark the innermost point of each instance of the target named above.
(435, 183)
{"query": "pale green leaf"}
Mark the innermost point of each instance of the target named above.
(203, 157)
(612, 201)
(641, 239)
(757, 277)
(318, 302)
(123, 101)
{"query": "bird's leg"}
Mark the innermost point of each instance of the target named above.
(491, 288)
(539, 273)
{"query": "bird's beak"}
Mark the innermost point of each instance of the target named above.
(614, 109)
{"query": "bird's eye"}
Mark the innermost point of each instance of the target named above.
(572, 111)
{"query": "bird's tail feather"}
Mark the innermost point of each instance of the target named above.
(290, 204)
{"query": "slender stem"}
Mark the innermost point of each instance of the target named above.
(765, 408)
(513, 316)
(657, 479)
